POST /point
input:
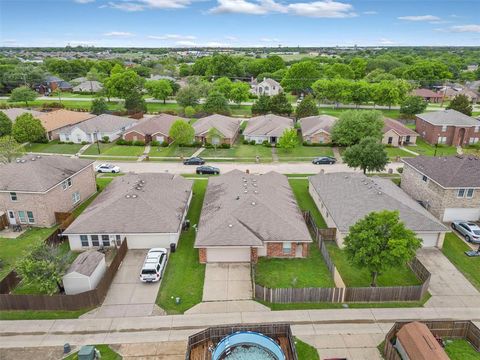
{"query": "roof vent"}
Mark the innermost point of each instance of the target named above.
(138, 188)
(18, 161)
(23, 160)
(230, 225)
(39, 156)
(134, 196)
(127, 196)
(379, 193)
(237, 198)
(255, 191)
(254, 203)
(346, 176)
(33, 159)
(245, 191)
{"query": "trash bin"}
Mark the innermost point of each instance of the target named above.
(87, 353)
(172, 247)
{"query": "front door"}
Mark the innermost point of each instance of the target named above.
(273, 140)
(11, 217)
(298, 251)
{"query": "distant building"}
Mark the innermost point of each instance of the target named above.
(428, 95)
(267, 87)
(88, 86)
(396, 134)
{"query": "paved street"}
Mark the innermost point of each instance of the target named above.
(281, 167)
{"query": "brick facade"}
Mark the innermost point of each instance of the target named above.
(455, 135)
(133, 136)
(275, 249)
(254, 255)
(315, 139)
(44, 205)
(202, 255)
(437, 197)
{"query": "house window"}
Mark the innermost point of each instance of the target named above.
(118, 239)
(22, 217)
(67, 138)
(76, 197)
(215, 140)
(469, 193)
(444, 128)
(105, 240)
(442, 140)
(390, 140)
(424, 178)
(287, 248)
(95, 241)
(472, 141)
(13, 196)
(84, 240)
(477, 128)
(321, 140)
(31, 219)
(407, 139)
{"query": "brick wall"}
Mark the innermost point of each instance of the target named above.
(254, 255)
(453, 133)
(130, 136)
(275, 249)
(202, 255)
(315, 139)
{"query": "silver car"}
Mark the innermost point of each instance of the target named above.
(469, 230)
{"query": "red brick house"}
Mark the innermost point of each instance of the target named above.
(155, 128)
(448, 127)
(428, 95)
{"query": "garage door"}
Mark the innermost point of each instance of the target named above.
(150, 241)
(228, 254)
(461, 214)
(428, 240)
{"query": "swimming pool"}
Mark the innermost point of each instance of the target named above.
(245, 345)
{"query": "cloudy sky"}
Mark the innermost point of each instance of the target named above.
(159, 23)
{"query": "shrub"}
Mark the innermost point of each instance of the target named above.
(85, 142)
(164, 144)
(155, 143)
(138, 143)
(52, 105)
(267, 144)
(224, 146)
(61, 142)
(246, 142)
(253, 142)
(105, 139)
(400, 170)
(189, 111)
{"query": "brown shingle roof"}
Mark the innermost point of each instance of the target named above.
(86, 262)
(419, 343)
(57, 119)
(156, 124)
(426, 93)
(449, 171)
(129, 205)
(268, 125)
(102, 123)
(245, 210)
(398, 127)
(312, 125)
(227, 125)
(13, 113)
(40, 174)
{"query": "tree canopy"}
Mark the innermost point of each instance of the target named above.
(369, 155)
(5, 124)
(28, 129)
(301, 76)
(23, 94)
(354, 125)
(9, 149)
(307, 107)
(99, 106)
(412, 105)
(182, 132)
(288, 140)
(462, 104)
(159, 89)
(216, 103)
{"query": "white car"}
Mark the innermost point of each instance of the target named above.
(107, 168)
(154, 265)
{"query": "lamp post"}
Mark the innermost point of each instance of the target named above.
(98, 145)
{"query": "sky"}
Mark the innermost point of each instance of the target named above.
(237, 23)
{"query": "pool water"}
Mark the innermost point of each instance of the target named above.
(247, 352)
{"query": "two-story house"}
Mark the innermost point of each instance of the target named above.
(34, 188)
(449, 187)
(449, 127)
(268, 87)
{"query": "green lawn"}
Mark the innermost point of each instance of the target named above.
(53, 147)
(41, 315)
(303, 153)
(172, 151)
(105, 351)
(357, 277)
(424, 148)
(393, 152)
(305, 201)
(241, 152)
(461, 349)
(305, 351)
(454, 249)
(114, 150)
(394, 114)
(184, 274)
(294, 273)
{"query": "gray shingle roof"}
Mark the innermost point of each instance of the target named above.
(13, 113)
(89, 85)
(268, 125)
(312, 125)
(101, 123)
(349, 197)
(86, 262)
(39, 175)
(156, 124)
(448, 117)
(227, 125)
(398, 127)
(449, 171)
(268, 211)
(125, 207)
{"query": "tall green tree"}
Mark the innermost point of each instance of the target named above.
(223, 85)
(354, 125)
(239, 92)
(412, 105)
(369, 155)
(9, 149)
(361, 92)
(379, 242)
(122, 82)
(288, 140)
(135, 103)
(216, 103)
(28, 129)
(5, 124)
(23, 94)
(307, 107)
(187, 96)
(99, 106)
(301, 76)
(181, 132)
(280, 105)
(261, 106)
(159, 89)
(462, 104)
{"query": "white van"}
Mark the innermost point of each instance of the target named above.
(154, 265)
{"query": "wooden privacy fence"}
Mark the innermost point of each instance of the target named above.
(463, 329)
(64, 219)
(87, 299)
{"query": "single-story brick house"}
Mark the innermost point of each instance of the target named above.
(96, 128)
(245, 216)
(268, 128)
(147, 209)
(152, 128)
(55, 121)
(317, 129)
(396, 134)
(448, 127)
(428, 95)
(227, 127)
(34, 188)
(345, 198)
(449, 187)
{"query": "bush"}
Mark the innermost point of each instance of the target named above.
(253, 142)
(105, 139)
(400, 170)
(138, 143)
(474, 146)
(52, 105)
(61, 142)
(189, 111)
(85, 142)
(224, 146)
(164, 144)
(246, 142)
(154, 143)
(121, 141)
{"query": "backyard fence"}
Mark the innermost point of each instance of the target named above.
(444, 329)
(87, 299)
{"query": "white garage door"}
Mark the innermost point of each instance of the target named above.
(228, 254)
(428, 240)
(150, 241)
(461, 214)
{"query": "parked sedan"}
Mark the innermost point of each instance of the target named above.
(207, 169)
(469, 230)
(107, 168)
(324, 160)
(154, 265)
(194, 161)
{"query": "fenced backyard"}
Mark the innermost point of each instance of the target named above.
(341, 292)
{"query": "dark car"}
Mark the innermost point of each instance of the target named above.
(207, 169)
(324, 160)
(194, 161)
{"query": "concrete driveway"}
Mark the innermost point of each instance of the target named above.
(227, 281)
(127, 295)
(448, 286)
